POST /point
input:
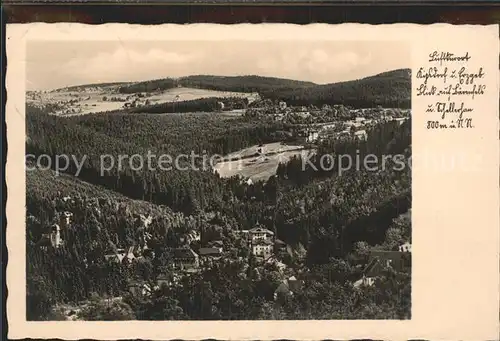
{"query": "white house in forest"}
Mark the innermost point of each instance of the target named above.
(55, 236)
(260, 234)
(262, 242)
(52, 238)
(262, 249)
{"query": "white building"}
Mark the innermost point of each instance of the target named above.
(406, 247)
(260, 234)
(361, 135)
(55, 236)
(262, 249)
(312, 136)
(65, 219)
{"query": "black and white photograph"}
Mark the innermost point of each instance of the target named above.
(218, 180)
(252, 182)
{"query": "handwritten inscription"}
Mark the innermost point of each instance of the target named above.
(451, 87)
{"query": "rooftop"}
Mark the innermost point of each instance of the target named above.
(209, 251)
(263, 242)
(184, 253)
(261, 230)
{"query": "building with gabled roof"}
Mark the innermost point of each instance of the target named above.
(185, 258)
(380, 261)
(210, 252)
(260, 233)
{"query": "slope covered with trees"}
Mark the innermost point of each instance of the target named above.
(389, 89)
(242, 83)
(148, 86)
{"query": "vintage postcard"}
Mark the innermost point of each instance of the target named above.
(253, 182)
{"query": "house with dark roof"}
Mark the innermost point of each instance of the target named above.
(288, 287)
(282, 291)
(185, 258)
(139, 288)
(280, 247)
(381, 261)
(212, 252)
(260, 233)
(399, 261)
(129, 255)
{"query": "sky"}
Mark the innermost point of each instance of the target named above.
(57, 64)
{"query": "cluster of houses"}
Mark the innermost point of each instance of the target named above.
(356, 129)
(261, 242)
(330, 122)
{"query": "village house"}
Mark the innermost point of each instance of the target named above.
(139, 288)
(361, 135)
(282, 105)
(52, 238)
(130, 255)
(380, 261)
(280, 247)
(116, 257)
(260, 234)
(210, 252)
(55, 237)
(312, 136)
(406, 247)
(262, 249)
(169, 280)
(288, 287)
(280, 265)
(65, 219)
(185, 258)
(121, 256)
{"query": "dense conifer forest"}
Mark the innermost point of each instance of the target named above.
(389, 89)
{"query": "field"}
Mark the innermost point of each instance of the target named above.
(258, 163)
(187, 94)
(91, 100)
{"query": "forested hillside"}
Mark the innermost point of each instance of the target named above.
(221, 83)
(389, 89)
(242, 83)
(148, 86)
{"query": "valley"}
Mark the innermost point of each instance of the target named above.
(257, 236)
